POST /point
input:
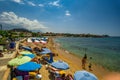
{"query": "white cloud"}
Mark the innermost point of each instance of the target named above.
(11, 18)
(31, 3)
(41, 5)
(18, 1)
(67, 13)
(55, 3)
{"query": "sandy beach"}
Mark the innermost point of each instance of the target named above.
(73, 61)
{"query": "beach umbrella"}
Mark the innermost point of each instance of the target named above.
(25, 52)
(12, 45)
(45, 51)
(29, 40)
(43, 42)
(19, 60)
(27, 48)
(84, 75)
(60, 65)
(29, 66)
(29, 55)
(37, 40)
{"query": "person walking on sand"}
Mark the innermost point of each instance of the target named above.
(84, 59)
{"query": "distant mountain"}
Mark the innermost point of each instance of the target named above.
(20, 30)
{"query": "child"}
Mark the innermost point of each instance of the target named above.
(90, 64)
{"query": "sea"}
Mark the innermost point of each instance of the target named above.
(104, 51)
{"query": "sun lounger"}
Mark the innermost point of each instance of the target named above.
(18, 78)
(26, 77)
(52, 69)
(58, 78)
(20, 73)
(69, 77)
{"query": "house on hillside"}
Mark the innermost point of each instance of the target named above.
(0, 36)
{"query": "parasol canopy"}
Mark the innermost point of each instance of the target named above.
(25, 52)
(60, 65)
(19, 60)
(29, 55)
(84, 75)
(29, 66)
(45, 51)
(27, 48)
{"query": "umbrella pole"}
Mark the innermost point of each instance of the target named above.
(11, 73)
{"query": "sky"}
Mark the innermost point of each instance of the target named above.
(62, 16)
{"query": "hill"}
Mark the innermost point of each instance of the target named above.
(20, 30)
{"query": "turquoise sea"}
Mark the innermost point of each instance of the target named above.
(104, 51)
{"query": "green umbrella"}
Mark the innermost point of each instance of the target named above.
(19, 60)
(25, 52)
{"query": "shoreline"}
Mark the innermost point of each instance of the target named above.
(68, 49)
(101, 72)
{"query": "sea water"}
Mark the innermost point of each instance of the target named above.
(104, 51)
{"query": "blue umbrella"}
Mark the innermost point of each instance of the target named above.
(29, 55)
(12, 45)
(84, 75)
(45, 51)
(29, 66)
(27, 48)
(51, 58)
(60, 65)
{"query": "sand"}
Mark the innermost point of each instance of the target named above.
(73, 61)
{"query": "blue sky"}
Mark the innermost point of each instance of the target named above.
(63, 16)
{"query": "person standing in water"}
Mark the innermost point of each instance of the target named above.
(84, 60)
(90, 64)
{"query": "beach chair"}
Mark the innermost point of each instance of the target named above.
(1, 55)
(69, 77)
(26, 77)
(20, 73)
(58, 78)
(18, 78)
(52, 69)
(32, 75)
